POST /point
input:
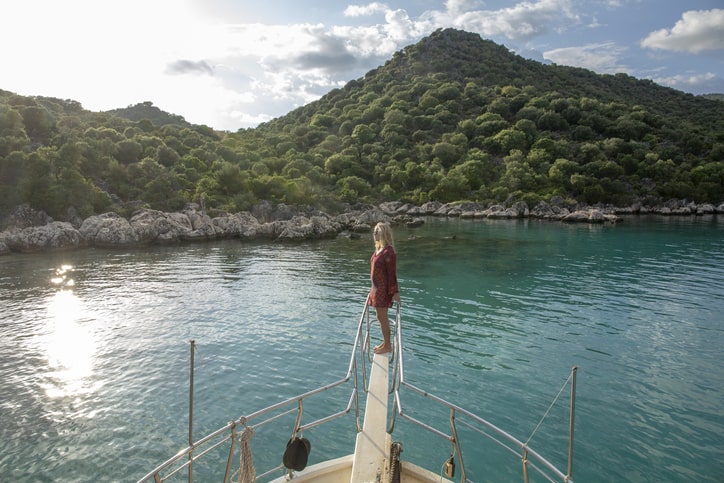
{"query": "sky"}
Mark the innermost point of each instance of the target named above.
(232, 64)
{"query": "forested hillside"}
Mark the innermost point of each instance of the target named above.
(453, 117)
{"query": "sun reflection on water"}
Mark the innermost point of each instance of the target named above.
(62, 276)
(69, 344)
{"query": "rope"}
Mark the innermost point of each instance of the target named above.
(247, 473)
(549, 409)
(394, 470)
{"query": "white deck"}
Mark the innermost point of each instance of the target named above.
(373, 443)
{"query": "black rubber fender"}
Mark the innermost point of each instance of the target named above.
(297, 453)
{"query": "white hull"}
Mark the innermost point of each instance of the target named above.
(340, 469)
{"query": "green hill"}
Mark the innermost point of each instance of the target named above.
(146, 110)
(450, 118)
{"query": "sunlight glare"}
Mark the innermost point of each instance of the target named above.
(70, 346)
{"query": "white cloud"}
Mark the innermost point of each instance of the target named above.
(699, 83)
(602, 58)
(692, 79)
(399, 27)
(522, 21)
(365, 10)
(201, 98)
(696, 32)
(594, 24)
(380, 40)
(97, 52)
(461, 6)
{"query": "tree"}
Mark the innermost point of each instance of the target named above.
(630, 129)
(71, 189)
(128, 151)
(322, 120)
(474, 172)
(447, 153)
(12, 132)
(363, 134)
(39, 124)
(539, 160)
(297, 168)
(167, 156)
(163, 193)
(709, 179)
(230, 179)
(454, 186)
(506, 141)
(518, 175)
(12, 173)
(552, 121)
(428, 101)
(35, 186)
(561, 173)
(352, 189)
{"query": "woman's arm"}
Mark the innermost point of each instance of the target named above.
(393, 288)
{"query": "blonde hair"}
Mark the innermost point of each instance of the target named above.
(385, 231)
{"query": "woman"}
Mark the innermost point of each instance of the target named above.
(383, 274)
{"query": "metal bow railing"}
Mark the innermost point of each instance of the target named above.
(530, 458)
(356, 377)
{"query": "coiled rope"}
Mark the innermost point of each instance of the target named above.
(247, 473)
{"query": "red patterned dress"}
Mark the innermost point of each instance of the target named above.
(383, 274)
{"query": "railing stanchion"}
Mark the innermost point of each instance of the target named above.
(229, 461)
(456, 442)
(191, 413)
(570, 434)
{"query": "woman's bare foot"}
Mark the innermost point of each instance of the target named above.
(382, 349)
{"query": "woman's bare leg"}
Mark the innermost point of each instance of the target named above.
(385, 326)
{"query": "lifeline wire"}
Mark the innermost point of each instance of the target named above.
(549, 409)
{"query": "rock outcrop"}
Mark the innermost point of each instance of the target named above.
(108, 230)
(28, 230)
(52, 236)
(589, 216)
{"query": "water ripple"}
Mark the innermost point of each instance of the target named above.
(97, 369)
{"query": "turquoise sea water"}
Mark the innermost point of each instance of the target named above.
(94, 344)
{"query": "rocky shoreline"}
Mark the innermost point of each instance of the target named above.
(28, 231)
